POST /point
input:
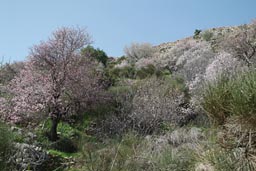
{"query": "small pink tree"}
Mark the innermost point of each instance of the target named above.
(56, 78)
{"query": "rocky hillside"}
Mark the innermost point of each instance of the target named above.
(180, 106)
(197, 58)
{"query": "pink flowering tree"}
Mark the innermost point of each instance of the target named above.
(57, 79)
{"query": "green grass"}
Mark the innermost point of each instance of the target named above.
(226, 159)
(134, 153)
(231, 96)
(61, 154)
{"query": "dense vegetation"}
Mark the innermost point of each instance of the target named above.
(185, 105)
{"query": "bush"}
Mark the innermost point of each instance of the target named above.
(207, 35)
(232, 96)
(115, 120)
(163, 72)
(119, 73)
(197, 33)
(145, 72)
(137, 51)
(98, 54)
(146, 106)
(66, 130)
(6, 139)
(158, 100)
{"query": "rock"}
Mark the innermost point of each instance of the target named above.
(31, 135)
(16, 129)
(204, 167)
(28, 156)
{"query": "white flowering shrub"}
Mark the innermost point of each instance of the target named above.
(222, 63)
(195, 60)
(147, 106)
(122, 64)
(241, 43)
(144, 62)
(137, 51)
(159, 100)
(167, 54)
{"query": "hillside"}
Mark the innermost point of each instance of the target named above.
(183, 105)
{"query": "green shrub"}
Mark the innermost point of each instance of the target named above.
(66, 130)
(233, 96)
(197, 33)
(216, 98)
(145, 72)
(127, 72)
(98, 54)
(207, 35)
(120, 60)
(112, 63)
(6, 139)
(141, 74)
(118, 73)
(162, 72)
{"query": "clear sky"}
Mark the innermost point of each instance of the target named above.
(114, 23)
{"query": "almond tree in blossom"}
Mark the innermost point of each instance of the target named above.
(56, 79)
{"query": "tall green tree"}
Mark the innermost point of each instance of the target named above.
(98, 54)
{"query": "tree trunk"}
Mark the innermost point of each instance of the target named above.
(53, 132)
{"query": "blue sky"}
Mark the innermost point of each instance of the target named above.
(114, 23)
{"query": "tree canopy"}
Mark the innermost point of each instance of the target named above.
(57, 79)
